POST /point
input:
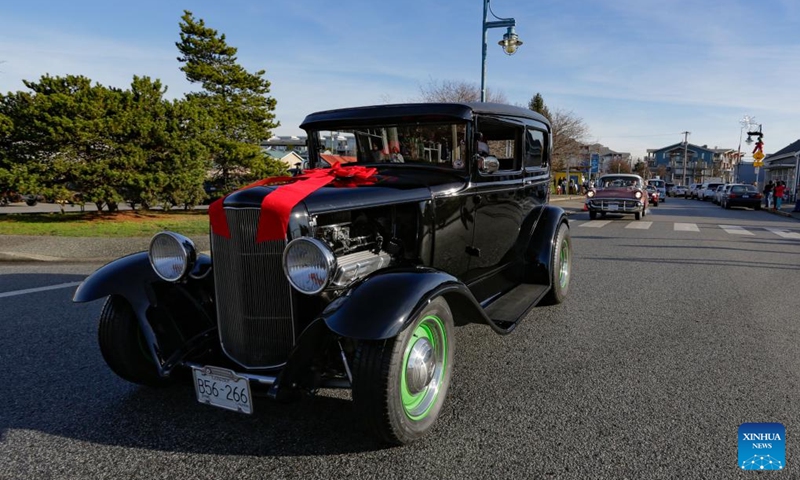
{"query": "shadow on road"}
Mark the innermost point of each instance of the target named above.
(55, 381)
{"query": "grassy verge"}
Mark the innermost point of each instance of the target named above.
(121, 224)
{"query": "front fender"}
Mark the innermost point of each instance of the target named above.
(130, 278)
(385, 303)
(127, 276)
(540, 249)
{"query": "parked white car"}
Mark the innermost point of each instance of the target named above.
(693, 189)
(707, 191)
(680, 191)
(719, 193)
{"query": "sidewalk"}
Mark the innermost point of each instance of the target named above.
(20, 248)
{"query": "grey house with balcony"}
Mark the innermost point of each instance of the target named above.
(700, 163)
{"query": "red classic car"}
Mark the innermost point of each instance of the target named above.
(617, 193)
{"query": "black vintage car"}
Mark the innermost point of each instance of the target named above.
(352, 276)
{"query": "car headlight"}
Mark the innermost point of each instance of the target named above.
(308, 264)
(638, 194)
(590, 193)
(171, 255)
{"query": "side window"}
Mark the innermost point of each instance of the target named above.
(502, 140)
(534, 148)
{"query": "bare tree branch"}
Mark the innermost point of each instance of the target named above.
(444, 91)
(569, 134)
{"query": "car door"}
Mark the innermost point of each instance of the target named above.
(501, 204)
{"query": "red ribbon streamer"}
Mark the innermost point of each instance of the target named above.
(277, 206)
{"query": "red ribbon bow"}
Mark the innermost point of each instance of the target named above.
(277, 205)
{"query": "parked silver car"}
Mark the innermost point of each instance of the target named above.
(707, 191)
(719, 193)
(680, 191)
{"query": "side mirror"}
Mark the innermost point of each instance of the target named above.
(488, 164)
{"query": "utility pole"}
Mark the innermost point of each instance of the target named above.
(685, 154)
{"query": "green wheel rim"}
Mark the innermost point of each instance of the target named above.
(417, 405)
(563, 272)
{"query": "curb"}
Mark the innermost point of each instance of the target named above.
(30, 257)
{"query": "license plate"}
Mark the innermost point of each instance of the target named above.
(745, 196)
(222, 388)
(613, 206)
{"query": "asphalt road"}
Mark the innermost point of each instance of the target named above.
(669, 340)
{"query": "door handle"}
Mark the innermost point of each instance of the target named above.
(478, 199)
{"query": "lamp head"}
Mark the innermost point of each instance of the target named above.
(510, 41)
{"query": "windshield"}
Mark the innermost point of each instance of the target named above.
(656, 183)
(433, 144)
(613, 181)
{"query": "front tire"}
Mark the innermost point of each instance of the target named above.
(123, 346)
(400, 383)
(560, 267)
(592, 215)
(637, 215)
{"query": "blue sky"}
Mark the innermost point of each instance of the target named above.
(638, 72)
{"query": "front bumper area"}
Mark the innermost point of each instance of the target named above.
(611, 205)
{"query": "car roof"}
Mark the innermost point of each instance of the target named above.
(446, 111)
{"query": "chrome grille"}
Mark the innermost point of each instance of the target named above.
(619, 203)
(254, 298)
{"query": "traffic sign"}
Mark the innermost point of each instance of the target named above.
(758, 155)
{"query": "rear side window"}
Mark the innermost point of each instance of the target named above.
(534, 148)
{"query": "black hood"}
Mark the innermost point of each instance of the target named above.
(393, 185)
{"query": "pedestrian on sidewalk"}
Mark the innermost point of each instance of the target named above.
(780, 188)
(767, 193)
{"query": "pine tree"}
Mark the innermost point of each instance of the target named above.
(237, 100)
(537, 105)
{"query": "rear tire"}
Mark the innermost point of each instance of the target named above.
(123, 346)
(400, 384)
(560, 267)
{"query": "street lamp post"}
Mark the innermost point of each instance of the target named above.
(510, 41)
(685, 153)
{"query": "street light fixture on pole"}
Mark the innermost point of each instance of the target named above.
(510, 41)
(745, 122)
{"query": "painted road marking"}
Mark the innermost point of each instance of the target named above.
(595, 223)
(639, 225)
(783, 233)
(686, 227)
(734, 230)
(39, 289)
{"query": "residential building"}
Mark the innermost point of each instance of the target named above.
(783, 165)
(700, 163)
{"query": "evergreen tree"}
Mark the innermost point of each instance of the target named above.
(236, 100)
(537, 105)
(162, 141)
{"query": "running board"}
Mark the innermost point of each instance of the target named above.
(515, 304)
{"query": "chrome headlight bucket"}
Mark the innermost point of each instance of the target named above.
(171, 255)
(638, 194)
(309, 265)
(590, 193)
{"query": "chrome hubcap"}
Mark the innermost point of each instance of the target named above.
(563, 274)
(421, 366)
